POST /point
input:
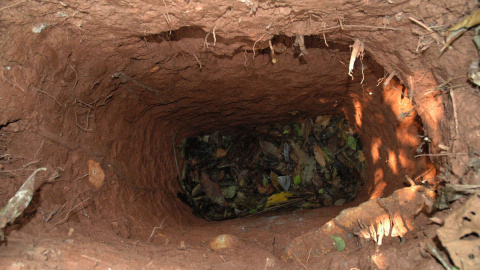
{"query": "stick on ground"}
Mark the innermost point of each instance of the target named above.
(153, 231)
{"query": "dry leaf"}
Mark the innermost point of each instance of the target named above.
(459, 235)
(213, 190)
(307, 128)
(278, 198)
(18, 203)
(323, 120)
(468, 22)
(320, 156)
(358, 49)
(274, 178)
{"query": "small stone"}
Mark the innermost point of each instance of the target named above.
(15, 127)
(224, 241)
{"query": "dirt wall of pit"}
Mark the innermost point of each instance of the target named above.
(87, 82)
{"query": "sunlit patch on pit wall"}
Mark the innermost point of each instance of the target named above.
(373, 220)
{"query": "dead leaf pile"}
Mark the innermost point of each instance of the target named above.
(314, 163)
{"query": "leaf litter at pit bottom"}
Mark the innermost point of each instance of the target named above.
(314, 161)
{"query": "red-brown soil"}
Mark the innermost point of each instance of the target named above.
(100, 92)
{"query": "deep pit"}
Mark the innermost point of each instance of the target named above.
(104, 101)
(315, 163)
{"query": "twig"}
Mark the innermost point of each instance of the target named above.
(41, 91)
(23, 167)
(361, 26)
(308, 257)
(410, 181)
(167, 17)
(253, 48)
(214, 36)
(198, 61)
(38, 150)
(12, 5)
(434, 34)
(153, 231)
(389, 78)
(205, 43)
(441, 154)
(47, 219)
(83, 176)
(454, 112)
(175, 155)
(304, 266)
(222, 258)
(67, 216)
(76, 77)
(325, 39)
(439, 257)
(14, 84)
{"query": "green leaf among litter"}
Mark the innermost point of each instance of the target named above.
(327, 153)
(286, 131)
(229, 192)
(297, 180)
(338, 242)
(278, 198)
(352, 142)
(265, 181)
(321, 191)
(298, 129)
